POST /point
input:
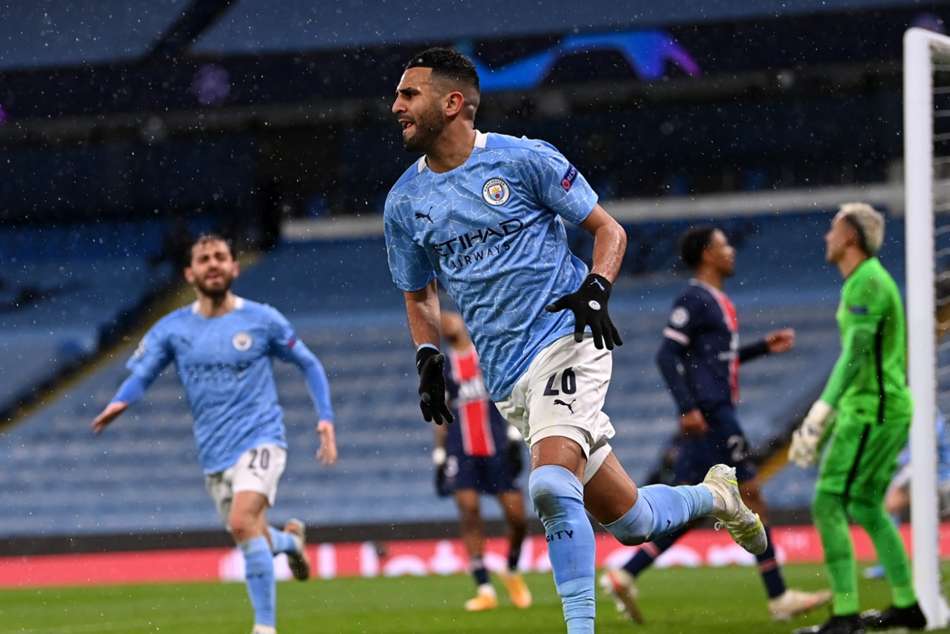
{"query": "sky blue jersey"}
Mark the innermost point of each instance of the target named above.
(224, 364)
(492, 232)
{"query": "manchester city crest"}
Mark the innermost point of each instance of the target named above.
(495, 191)
(242, 342)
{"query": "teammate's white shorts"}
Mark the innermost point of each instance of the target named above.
(257, 469)
(562, 394)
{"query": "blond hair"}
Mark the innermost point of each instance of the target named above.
(868, 222)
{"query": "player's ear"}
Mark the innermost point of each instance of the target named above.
(237, 268)
(189, 275)
(454, 103)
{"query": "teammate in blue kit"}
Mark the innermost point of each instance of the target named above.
(699, 360)
(222, 347)
(484, 215)
(479, 455)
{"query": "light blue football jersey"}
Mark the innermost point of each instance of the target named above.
(224, 364)
(492, 232)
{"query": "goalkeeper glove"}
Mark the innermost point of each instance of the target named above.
(430, 363)
(807, 438)
(589, 305)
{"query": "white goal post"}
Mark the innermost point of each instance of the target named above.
(925, 193)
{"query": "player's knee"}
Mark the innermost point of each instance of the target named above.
(242, 527)
(869, 516)
(547, 486)
(469, 515)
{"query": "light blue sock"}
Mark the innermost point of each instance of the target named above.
(261, 585)
(559, 499)
(659, 510)
(281, 542)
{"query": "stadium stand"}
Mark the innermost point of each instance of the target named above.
(142, 475)
(63, 290)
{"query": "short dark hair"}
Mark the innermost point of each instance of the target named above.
(211, 237)
(693, 243)
(447, 63)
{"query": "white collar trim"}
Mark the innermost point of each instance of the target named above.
(238, 304)
(481, 140)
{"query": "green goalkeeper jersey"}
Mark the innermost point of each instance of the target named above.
(870, 377)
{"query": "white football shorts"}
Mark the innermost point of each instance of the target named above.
(258, 469)
(562, 394)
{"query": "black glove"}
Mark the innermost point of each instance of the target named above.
(515, 457)
(589, 305)
(430, 364)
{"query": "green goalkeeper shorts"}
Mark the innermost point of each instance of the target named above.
(861, 456)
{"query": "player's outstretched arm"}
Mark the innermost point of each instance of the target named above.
(423, 314)
(776, 342)
(589, 302)
(111, 412)
(129, 392)
(327, 453)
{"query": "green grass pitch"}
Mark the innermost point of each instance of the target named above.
(703, 600)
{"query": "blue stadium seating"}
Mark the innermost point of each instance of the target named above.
(59, 287)
(142, 474)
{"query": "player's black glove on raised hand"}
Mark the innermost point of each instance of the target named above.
(430, 364)
(589, 305)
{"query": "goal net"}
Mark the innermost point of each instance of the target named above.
(927, 207)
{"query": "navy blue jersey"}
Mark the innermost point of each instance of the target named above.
(479, 430)
(700, 354)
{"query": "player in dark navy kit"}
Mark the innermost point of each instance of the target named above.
(479, 453)
(699, 360)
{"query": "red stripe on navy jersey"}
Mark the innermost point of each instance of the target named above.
(477, 439)
(731, 317)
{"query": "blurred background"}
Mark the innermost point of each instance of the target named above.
(129, 127)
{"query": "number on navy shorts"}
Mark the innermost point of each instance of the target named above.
(568, 383)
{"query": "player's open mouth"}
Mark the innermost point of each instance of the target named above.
(406, 125)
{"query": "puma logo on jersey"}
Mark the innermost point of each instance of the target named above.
(422, 216)
(569, 406)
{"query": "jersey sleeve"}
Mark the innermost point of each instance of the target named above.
(408, 264)
(151, 356)
(281, 336)
(864, 306)
(677, 338)
(284, 345)
(683, 322)
(558, 185)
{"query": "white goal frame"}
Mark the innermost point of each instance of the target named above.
(921, 319)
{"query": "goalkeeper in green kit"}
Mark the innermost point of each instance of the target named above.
(861, 421)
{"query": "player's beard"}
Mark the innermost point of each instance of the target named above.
(215, 293)
(428, 126)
